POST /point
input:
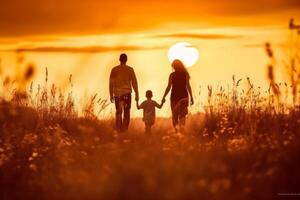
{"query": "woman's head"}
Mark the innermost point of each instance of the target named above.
(179, 67)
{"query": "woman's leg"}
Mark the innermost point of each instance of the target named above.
(183, 111)
(175, 114)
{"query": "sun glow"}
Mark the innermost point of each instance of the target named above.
(185, 52)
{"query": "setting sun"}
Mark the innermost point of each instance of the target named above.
(185, 52)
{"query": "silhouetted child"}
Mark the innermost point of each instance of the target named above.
(148, 107)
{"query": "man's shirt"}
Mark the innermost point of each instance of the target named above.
(122, 77)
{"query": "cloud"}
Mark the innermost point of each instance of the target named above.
(88, 49)
(77, 17)
(262, 45)
(199, 36)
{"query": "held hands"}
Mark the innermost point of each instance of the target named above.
(112, 99)
(162, 102)
(192, 101)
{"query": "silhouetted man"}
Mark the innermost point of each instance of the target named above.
(122, 80)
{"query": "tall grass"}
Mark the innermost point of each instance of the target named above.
(244, 146)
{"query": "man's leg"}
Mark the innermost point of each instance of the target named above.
(119, 107)
(127, 106)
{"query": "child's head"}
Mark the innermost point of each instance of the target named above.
(149, 94)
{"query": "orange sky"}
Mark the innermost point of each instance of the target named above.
(85, 38)
(35, 17)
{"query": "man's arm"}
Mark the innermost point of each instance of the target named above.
(111, 87)
(137, 105)
(135, 85)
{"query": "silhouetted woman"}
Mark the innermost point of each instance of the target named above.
(179, 82)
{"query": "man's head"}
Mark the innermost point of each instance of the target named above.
(123, 58)
(149, 94)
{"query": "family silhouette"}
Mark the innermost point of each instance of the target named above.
(123, 79)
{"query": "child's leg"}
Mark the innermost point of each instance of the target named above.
(147, 128)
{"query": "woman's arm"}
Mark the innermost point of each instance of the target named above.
(161, 104)
(168, 88)
(190, 91)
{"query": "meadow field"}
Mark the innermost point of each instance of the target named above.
(244, 145)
